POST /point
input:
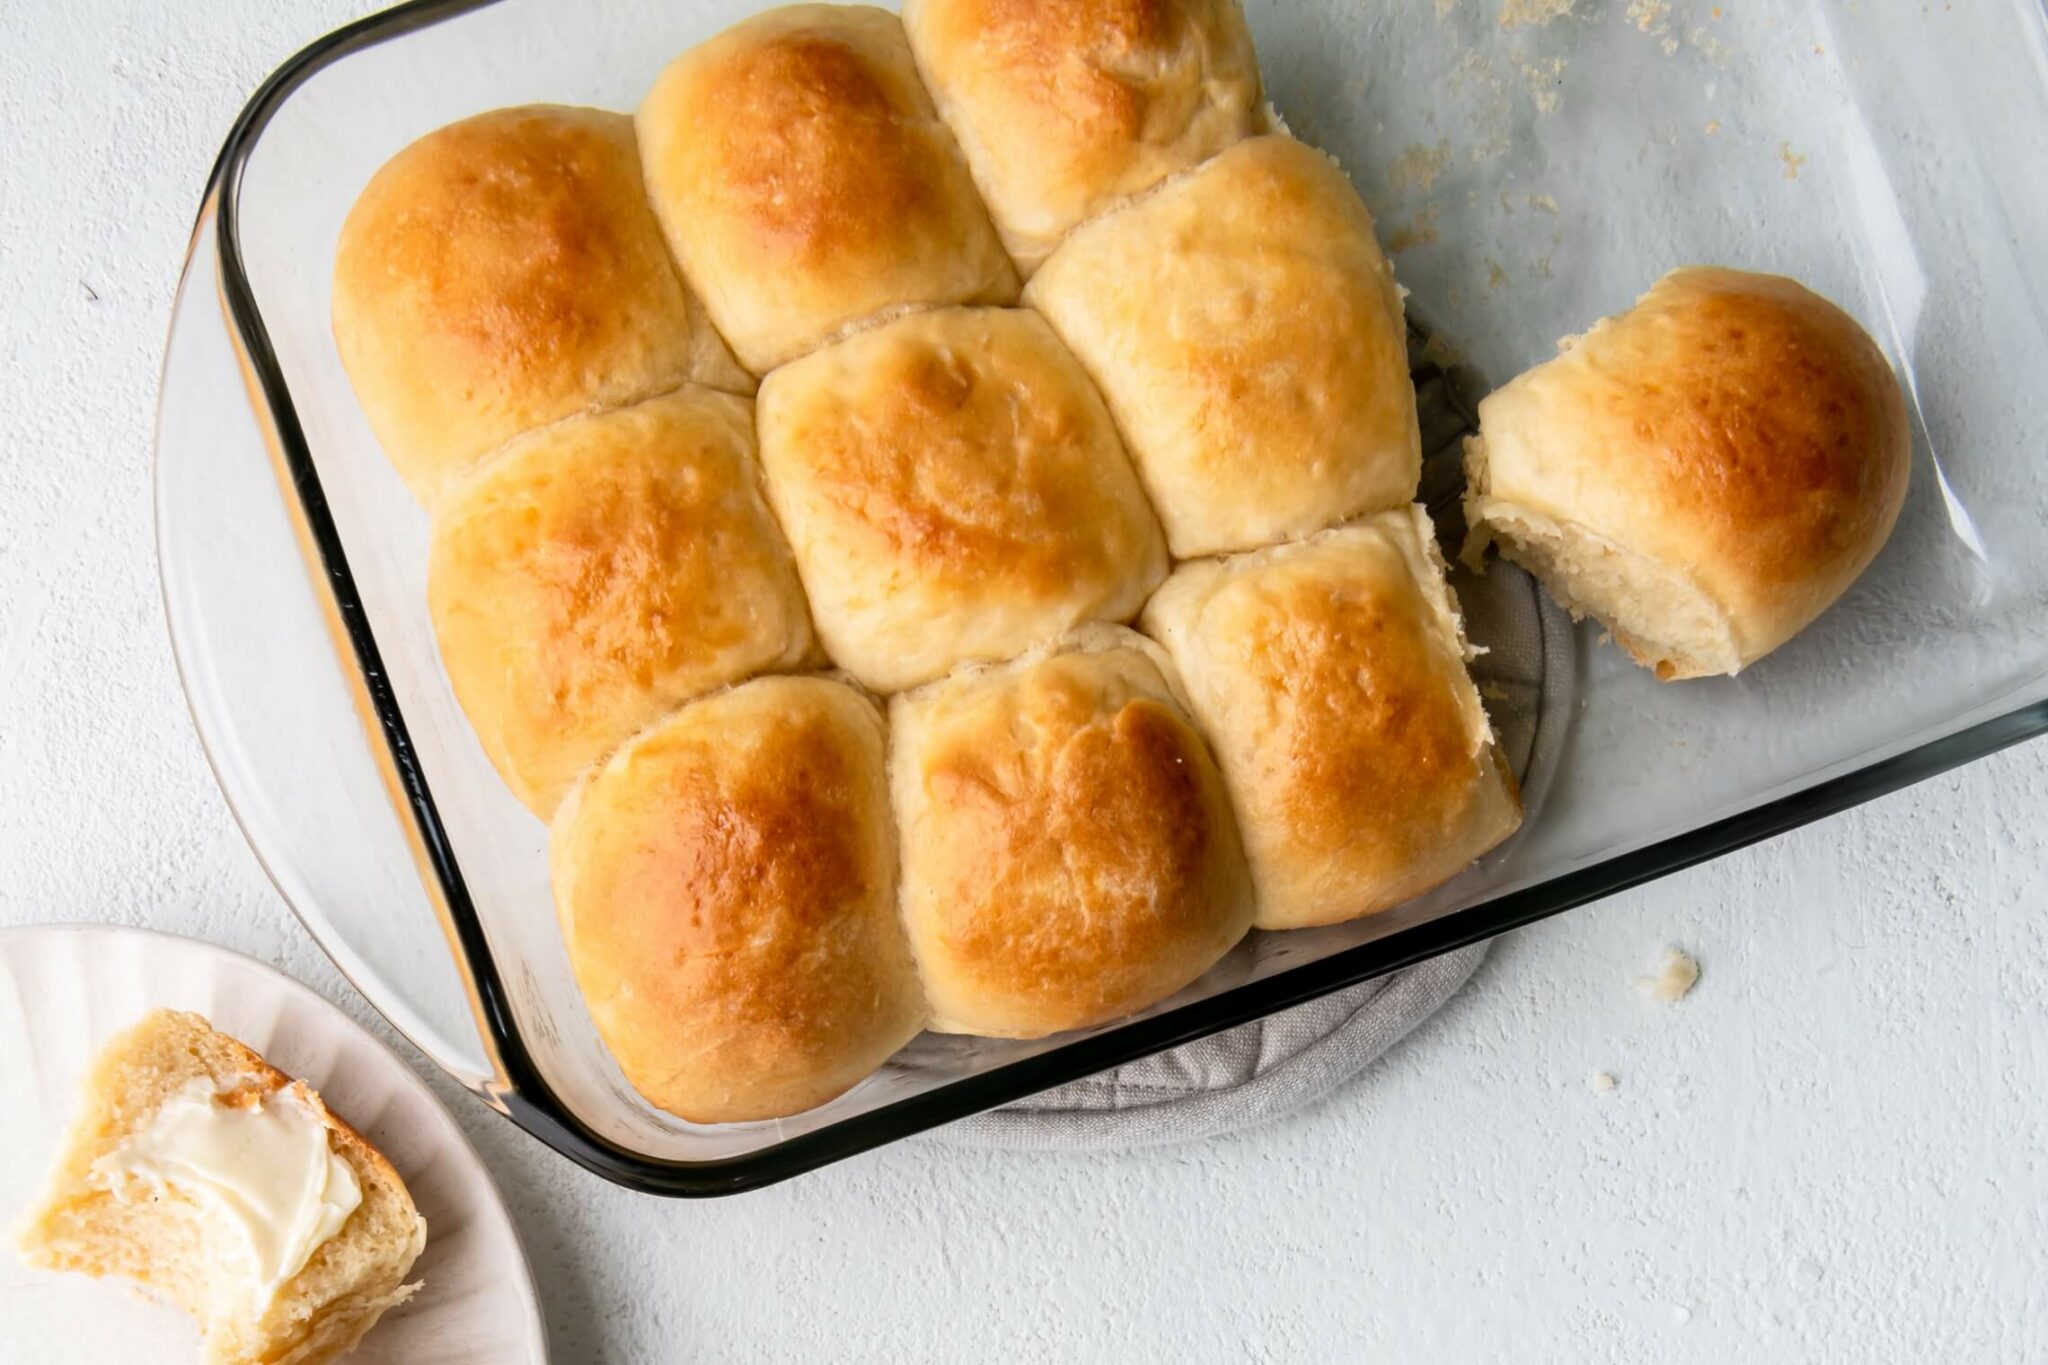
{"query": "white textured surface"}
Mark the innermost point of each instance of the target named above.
(1835, 1148)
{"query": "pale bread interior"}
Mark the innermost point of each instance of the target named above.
(1655, 612)
(173, 1249)
(1664, 622)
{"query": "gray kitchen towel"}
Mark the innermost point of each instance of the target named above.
(1266, 1068)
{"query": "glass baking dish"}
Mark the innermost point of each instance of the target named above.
(1532, 165)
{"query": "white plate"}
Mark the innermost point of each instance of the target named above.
(64, 990)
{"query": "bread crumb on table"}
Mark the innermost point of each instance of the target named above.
(1710, 47)
(1533, 13)
(1675, 977)
(1420, 232)
(1543, 79)
(1647, 15)
(1602, 1083)
(1418, 167)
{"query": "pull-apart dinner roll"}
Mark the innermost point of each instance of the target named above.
(1247, 335)
(1704, 474)
(597, 573)
(1065, 107)
(1069, 854)
(1330, 677)
(727, 890)
(953, 489)
(806, 183)
(502, 273)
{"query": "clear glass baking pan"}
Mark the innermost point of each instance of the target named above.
(1531, 174)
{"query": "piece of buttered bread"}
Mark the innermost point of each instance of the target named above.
(228, 1188)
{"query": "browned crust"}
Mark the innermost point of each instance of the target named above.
(1070, 854)
(504, 272)
(1065, 107)
(954, 488)
(806, 183)
(726, 885)
(1245, 330)
(1335, 692)
(1376, 752)
(601, 572)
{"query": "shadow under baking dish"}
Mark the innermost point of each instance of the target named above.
(293, 561)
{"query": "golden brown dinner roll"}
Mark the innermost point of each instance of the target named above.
(1704, 474)
(1330, 677)
(599, 572)
(806, 184)
(1246, 332)
(727, 890)
(1065, 107)
(1069, 854)
(504, 272)
(954, 489)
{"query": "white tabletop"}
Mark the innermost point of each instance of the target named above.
(1834, 1148)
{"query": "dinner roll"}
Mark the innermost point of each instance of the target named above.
(954, 489)
(1246, 332)
(1064, 107)
(504, 272)
(806, 184)
(1704, 474)
(727, 890)
(599, 572)
(1330, 677)
(1069, 854)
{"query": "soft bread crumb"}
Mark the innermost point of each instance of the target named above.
(1674, 978)
(1602, 1083)
(1664, 621)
